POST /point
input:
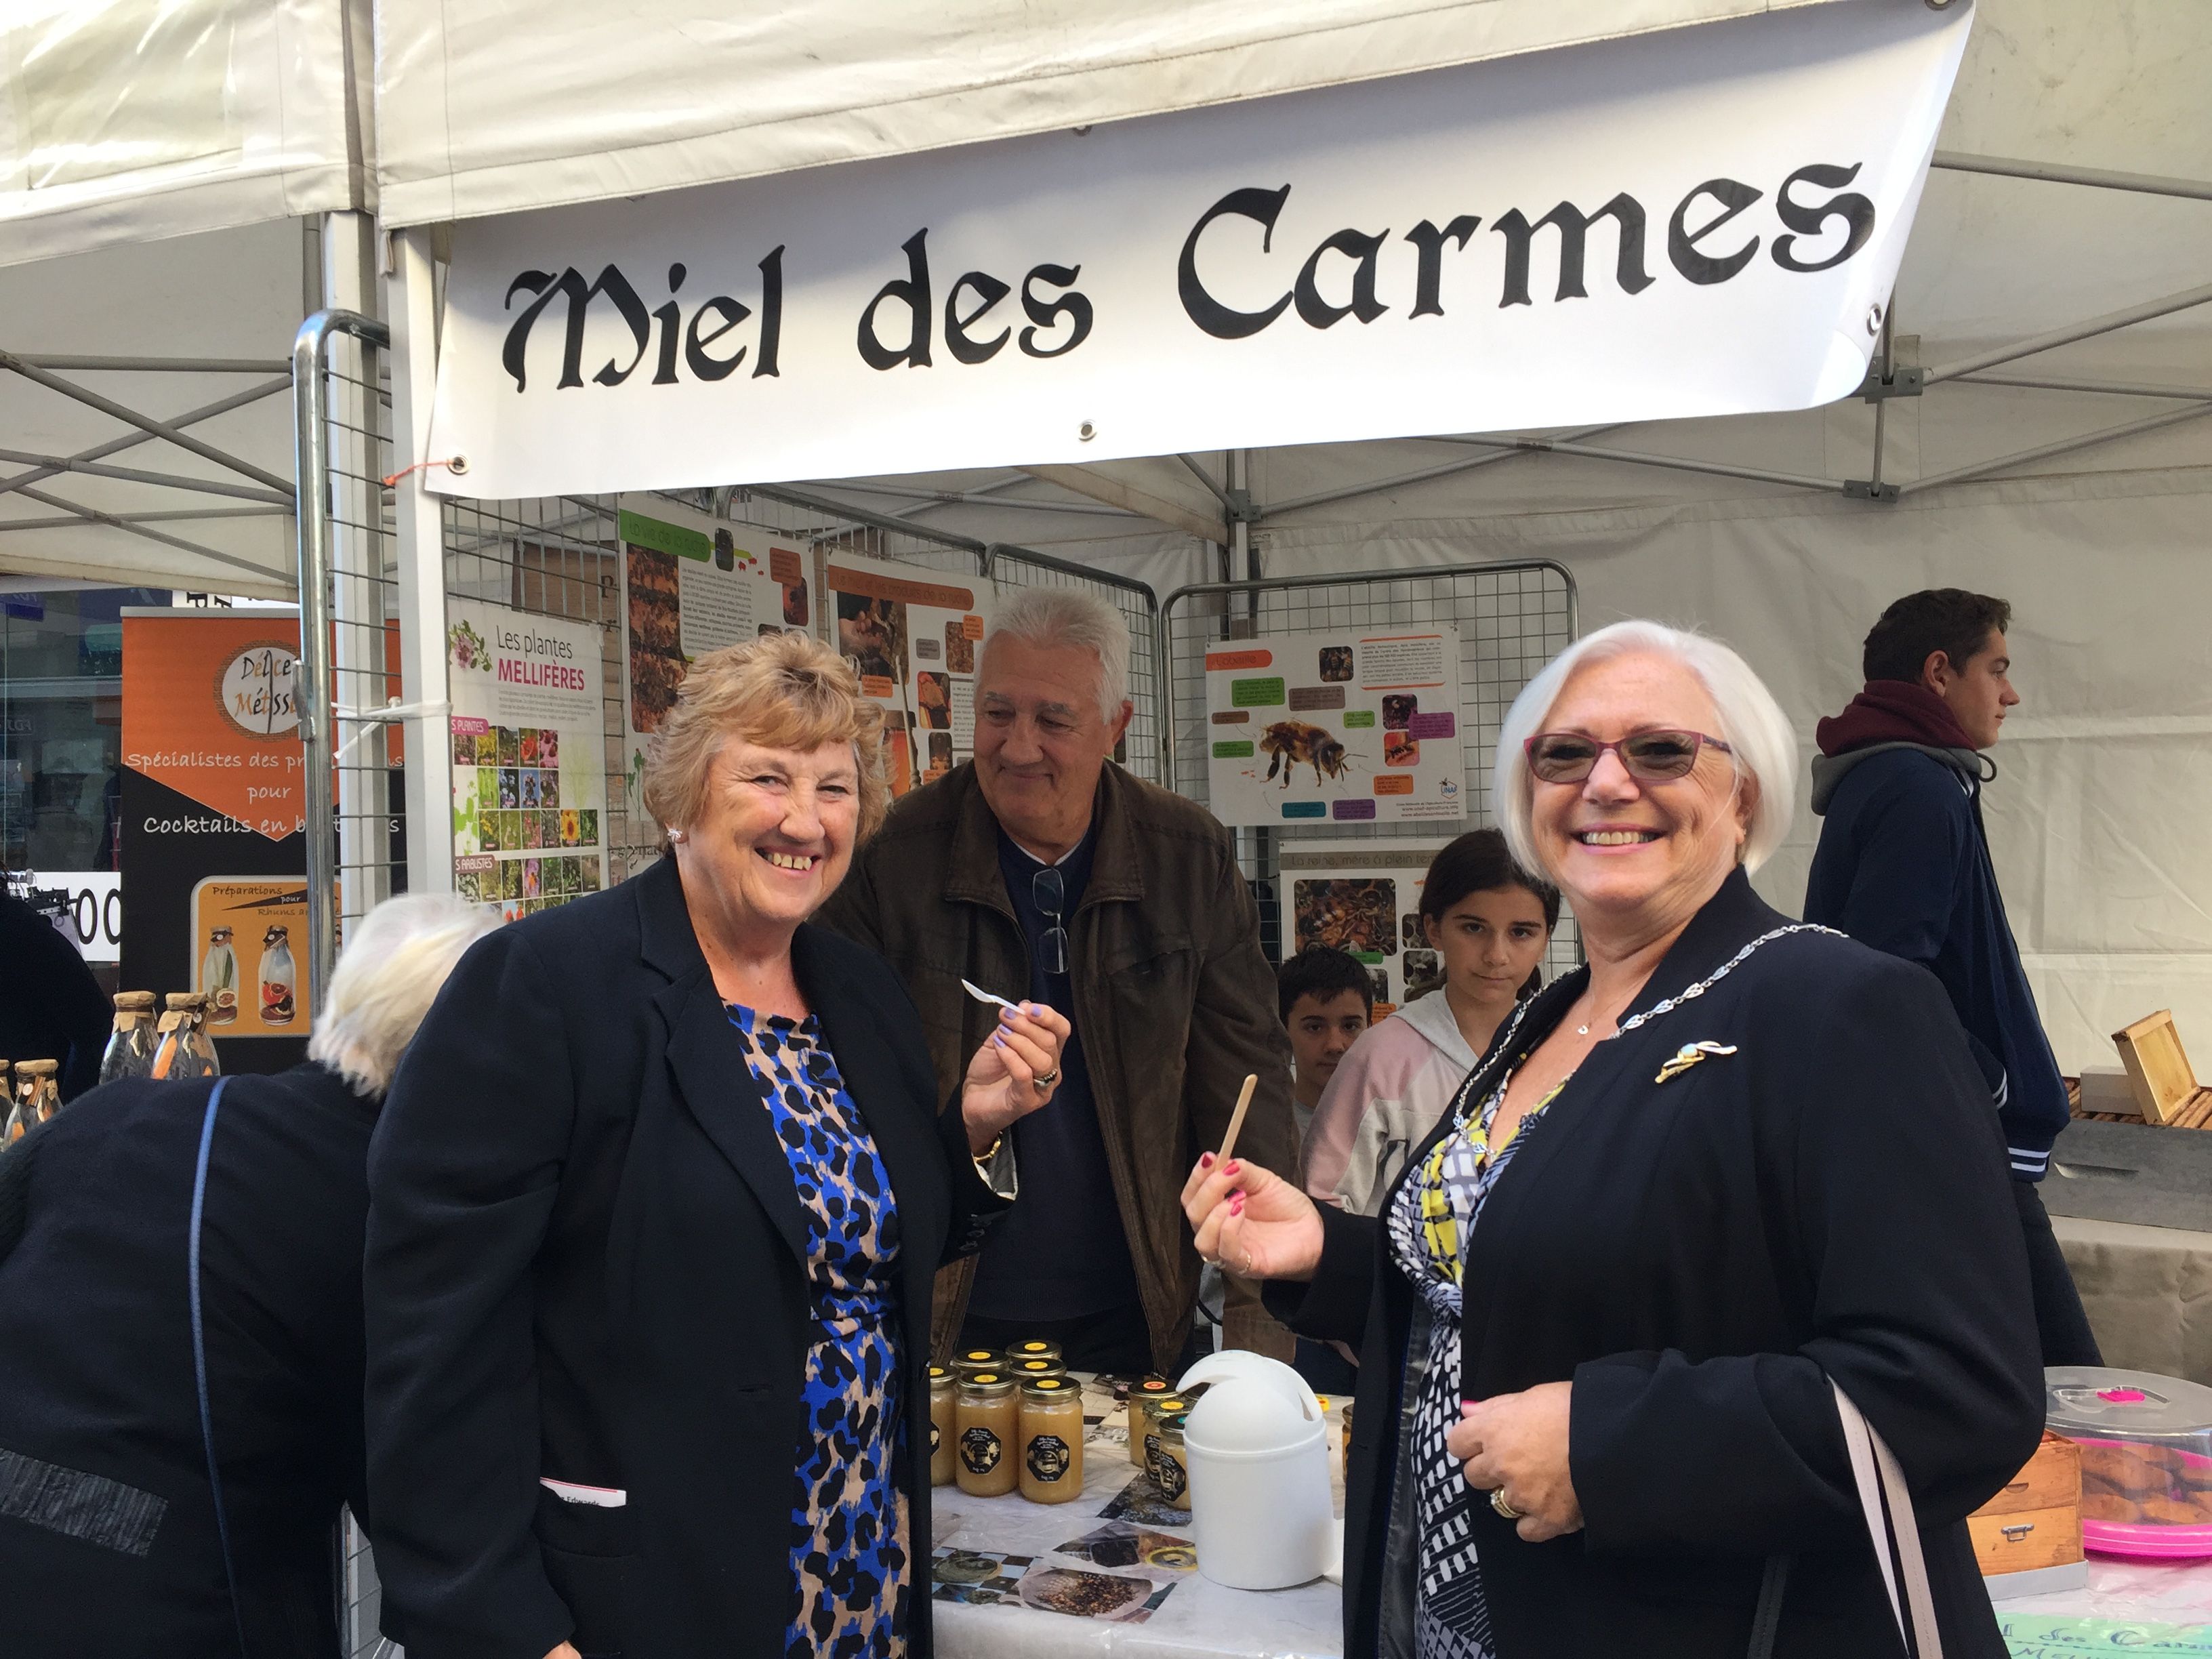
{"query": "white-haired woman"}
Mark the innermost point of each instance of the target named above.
(1729, 1160)
(109, 1537)
(655, 1212)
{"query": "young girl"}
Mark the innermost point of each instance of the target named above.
(1490, 923)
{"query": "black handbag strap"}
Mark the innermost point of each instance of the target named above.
(1768, 1617)
(199, 1360)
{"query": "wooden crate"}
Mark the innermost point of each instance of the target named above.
(2036, 1520)
(2165, 1083)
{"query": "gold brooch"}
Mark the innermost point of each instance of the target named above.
(1689, 1055)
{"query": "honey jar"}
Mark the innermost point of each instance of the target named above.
(1154, 1411)
(1171, 1467)
(970, 1360)
(1052, 1440)
(943, 1429)
(1034, 1350)
(1024, 1370)
(1140, 1397)
(988, 1419)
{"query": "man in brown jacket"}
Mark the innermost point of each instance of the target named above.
(1041, 873)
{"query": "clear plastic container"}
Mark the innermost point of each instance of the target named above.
(2146, 1458)
(130, 1051)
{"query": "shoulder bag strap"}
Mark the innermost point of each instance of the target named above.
(1876, 1471)
(199, 1359)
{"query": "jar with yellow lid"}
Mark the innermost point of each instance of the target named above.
(1023, 1370)
(1035, 1350)
(988, 1419)
(944, 1430)
(969, 1360)
(1170, 1466)
(1154, 1411)
(1052, 1440)
(1140, 1397)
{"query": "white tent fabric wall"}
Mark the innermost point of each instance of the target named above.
(121, 122)
(769, 89)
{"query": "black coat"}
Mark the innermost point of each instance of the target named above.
(96, 1379)
(586, 1262)
(51, 1004)
(1698, 1257)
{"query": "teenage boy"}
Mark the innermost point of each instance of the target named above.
(1326, 999)
(1904, 866)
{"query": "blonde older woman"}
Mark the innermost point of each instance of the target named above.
(655, 1211)
(1730, 1160)
(111, 1536)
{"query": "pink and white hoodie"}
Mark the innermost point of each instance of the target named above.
(1389, 1089)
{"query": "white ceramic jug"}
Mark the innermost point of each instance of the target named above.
(1258, 1451)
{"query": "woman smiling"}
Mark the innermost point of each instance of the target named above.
(1729, 1169)
(655, 1210)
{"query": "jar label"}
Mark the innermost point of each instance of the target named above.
(935, 1435)
(979, 1450)
(1047, 1457)
(1167, 1473)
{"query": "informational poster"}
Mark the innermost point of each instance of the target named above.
(914, 642)
(213, 854)
(1364, 896)
(692, 584)
(529, 783)
(1348, 727)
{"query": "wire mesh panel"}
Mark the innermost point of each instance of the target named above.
(371, 861)
(1511, 619)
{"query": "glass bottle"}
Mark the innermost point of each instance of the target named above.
(219, 978)
(37, 1098)
(130, 1049)
(988, 1418)
(185, 1051)
(1171, 1463)
(1051, 1469)
(1140, 1399)
(280, 979)
(943, 1426)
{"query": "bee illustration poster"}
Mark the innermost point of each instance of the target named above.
(1343, 728)
(693, 584)
(1364, 896)
(914, 642)
(529, 782)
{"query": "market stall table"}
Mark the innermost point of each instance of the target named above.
(1184, 1613)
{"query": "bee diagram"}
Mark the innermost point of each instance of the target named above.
(1289, 745)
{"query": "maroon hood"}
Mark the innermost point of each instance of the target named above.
(1892, 711)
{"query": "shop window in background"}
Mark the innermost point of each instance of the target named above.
(61, 691)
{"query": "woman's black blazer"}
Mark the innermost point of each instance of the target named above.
(107, 1532)
(1699, 1257)
(586, 1262)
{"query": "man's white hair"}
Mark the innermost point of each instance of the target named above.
(396, 958)
(1751, 723)
(1068, 619)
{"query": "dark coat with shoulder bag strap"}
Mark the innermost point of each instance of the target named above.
(1708, 1259)
(586, 1262)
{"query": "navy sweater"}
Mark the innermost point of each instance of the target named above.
(1904, 866)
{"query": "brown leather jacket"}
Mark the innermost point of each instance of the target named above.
(1174, 1000)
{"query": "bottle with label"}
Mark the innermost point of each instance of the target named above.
(943, 1426)
(219, 978)
(1052, 1440)
(130, 1050)
(1156, 1411)
(1025, 1370)
(971, 1360)
(185, 1050)
(988, 1419)
(280, 979)
(1170, 1464)
(1022, 1350)
(37, 1097)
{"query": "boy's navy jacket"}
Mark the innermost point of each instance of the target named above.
(1904, 866)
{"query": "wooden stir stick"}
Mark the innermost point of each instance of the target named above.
(1237, 1117)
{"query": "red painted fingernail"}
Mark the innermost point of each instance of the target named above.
(1236, 1204)
(1206, 1160)
(1233, 1167)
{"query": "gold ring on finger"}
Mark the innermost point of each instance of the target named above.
(1498, 1501)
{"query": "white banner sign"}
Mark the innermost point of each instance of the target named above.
(1702, 222)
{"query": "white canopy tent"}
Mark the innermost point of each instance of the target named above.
(1747, 526)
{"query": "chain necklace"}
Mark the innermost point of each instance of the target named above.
(1691, 992)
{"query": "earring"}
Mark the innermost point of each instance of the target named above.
(676, 835)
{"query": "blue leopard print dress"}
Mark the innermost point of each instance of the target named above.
(850, 1558)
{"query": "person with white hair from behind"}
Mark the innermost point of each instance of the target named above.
(180, 1330)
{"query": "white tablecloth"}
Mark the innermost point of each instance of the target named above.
(1198, 1617)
